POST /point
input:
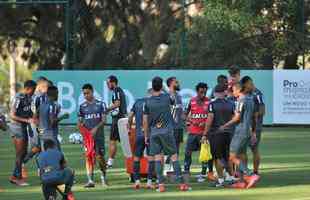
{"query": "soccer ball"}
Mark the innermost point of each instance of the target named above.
(75, 138)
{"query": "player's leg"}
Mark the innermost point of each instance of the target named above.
(155, 151)
(170, 148)
(34, 143)
(256, 153)
(114, 138)
(100, 152)
(209, 164)
(150, 171)
(139, 150)
(20, 141)
(68, 179)
(188, 153)
(89, 164)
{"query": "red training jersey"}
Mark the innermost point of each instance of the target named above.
(198, 114)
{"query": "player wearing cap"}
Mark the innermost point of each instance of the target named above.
(197, 114)
(220, 112)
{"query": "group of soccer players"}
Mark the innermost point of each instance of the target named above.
(230, 121)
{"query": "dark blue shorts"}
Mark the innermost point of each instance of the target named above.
(193, 143)
(163, 144)
(140, 147)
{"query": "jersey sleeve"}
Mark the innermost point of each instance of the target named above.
(146, 110)
(240, 107)
(133, 109)
(210, 108)
(259, 99)
(188, 107)
(15, 104)
(80, 113)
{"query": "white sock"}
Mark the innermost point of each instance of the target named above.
(149, 182)
(221, 180)
(110, 161)
(89, 177)
(137, 182)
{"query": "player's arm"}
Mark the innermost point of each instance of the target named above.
(209, 120)
(63, 116)
(130, 119)
(187, 113)
(145, 122)
(236, 118)
(261, 103)
(117, 102)
(80, 117)
(15, 105)
(53, 115)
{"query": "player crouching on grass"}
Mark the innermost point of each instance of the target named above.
(137, 114)
(244, 132)
(53, 172)
(49, 116)
(220, 112)
(158, 125)
(92, 116)
(197, 114)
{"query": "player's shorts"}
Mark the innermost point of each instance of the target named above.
(220, 143)
(99, 142)
(258, 139)
(239, 143)
(114, 130)
(163, 143)
(140, 147)
(193, 143)
(19, 131)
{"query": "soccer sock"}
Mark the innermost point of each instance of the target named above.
(151, 169)
(110, 161)
(204, 167)
(187, 162)
(136, 170)
(210, 165)
(178, 171)
(242, 168)
(90, 177)
(159, 171)
(221, 180)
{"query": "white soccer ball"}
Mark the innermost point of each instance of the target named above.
(75, 138)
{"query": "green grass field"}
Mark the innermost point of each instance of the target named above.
(285, 174)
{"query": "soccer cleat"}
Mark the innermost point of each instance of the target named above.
(161, 188)
(70, 196)
(13, 179)
(239, 185)
(251, 180)
(201, 178)
(184, 187)
(22, 183)
(90, 184)
(211, 176)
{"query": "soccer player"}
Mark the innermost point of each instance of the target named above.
(118, 110)
(177, 113)
(92, 115)
(54, 172)
(39, 97)
(158, 125)
(136, 114)
(221, 80)
(234, 75)
(21, 117)
(220, 112)
(197, 114)
(49, 116)
(244, 132)
(260, 109)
